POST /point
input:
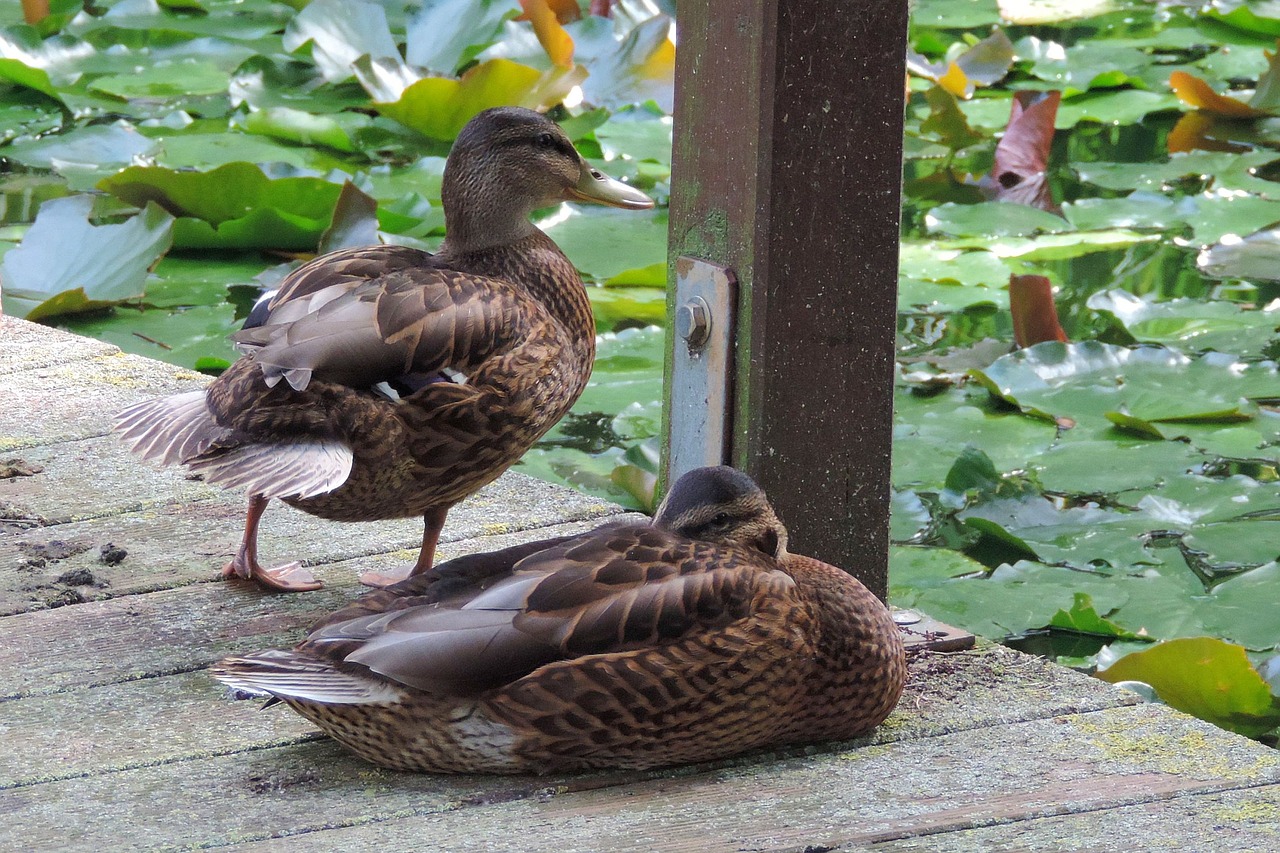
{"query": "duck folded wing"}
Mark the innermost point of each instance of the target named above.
(418, 321)
(578, 598)
(344, 269)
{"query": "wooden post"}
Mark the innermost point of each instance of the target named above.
(787, 170)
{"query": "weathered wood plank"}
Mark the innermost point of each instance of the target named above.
(132, 724)
(108, 481)
(153, 720)
(24, 346)
(1084, 763)
(77, 399)
(956, 782)
(176, 544)
(179, 630)
(1227, 822)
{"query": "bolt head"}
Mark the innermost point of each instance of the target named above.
(693, 322)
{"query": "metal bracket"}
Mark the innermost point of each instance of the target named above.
(701, 366)
(922, 633)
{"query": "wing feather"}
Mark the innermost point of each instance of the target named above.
(289, 675)
(551, 606)
(419, 320)
(300, 468)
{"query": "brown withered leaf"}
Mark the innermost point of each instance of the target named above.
(1020, 174)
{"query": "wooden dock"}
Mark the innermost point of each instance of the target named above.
(113, 737)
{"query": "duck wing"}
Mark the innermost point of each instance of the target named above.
(336, 272)
(409, 321)
(623, 588)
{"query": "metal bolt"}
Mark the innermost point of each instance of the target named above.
(693, 322)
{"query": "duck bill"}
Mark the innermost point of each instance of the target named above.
(596, 187)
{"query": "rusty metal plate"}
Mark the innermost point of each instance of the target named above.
(701, 389)
(919, 632)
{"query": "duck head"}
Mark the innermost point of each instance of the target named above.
(721, 504)
(508, 162)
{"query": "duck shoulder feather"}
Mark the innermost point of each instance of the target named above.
(626, 588)
(360, 317)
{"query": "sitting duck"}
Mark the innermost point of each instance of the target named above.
(387, 382)
(691, 638)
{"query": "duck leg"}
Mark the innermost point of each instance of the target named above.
(432, 523)
(291, 577)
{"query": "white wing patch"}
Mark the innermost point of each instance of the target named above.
(288, 675)
(302, 468)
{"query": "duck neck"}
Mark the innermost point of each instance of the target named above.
(471, 234)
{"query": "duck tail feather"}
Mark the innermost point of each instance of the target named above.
(170, 429)
(290, 675)
(301, 468)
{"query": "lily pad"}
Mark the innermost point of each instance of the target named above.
(439, 107)
(234, 206)
(440, 36)
(1089, 380)
(993, 218)
(1192, 324)
(604, 241)
(1206, 677)
(340, 32)
(67, 265)
(1236, 614)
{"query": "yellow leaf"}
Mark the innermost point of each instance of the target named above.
(546, 25)
(955, 82)
(1196, 93)
(1192, 133)
(661, 64)
(439, 106)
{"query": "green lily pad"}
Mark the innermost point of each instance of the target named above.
(340, 32)
(605, 241)
(1079, 536)
(192, 337)
(1206, 677)
(912, 569)
(1138, 210)
(1014, 599)
(186, 280)
(336, 131)
(619, 307)
(1235, 171)
(929, 429)
(166, 79)
(931, 262)
(67, 265)
(1083, 618)
(1254, 256)
(440, 36)
(19, 73)
(1237, 615)
(637, 135)
(91, 151)
(993, 218)
(1191, 323)
(233, 206)
(641, 67)
(1093, 466)
(1090, 379)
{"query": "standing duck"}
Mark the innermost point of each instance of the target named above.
(689, 639)
(387, 382)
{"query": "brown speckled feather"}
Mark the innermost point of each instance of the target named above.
(631, 646)
(385, 382)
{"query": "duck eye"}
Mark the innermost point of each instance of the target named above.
(545, 140)
(721, 519)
